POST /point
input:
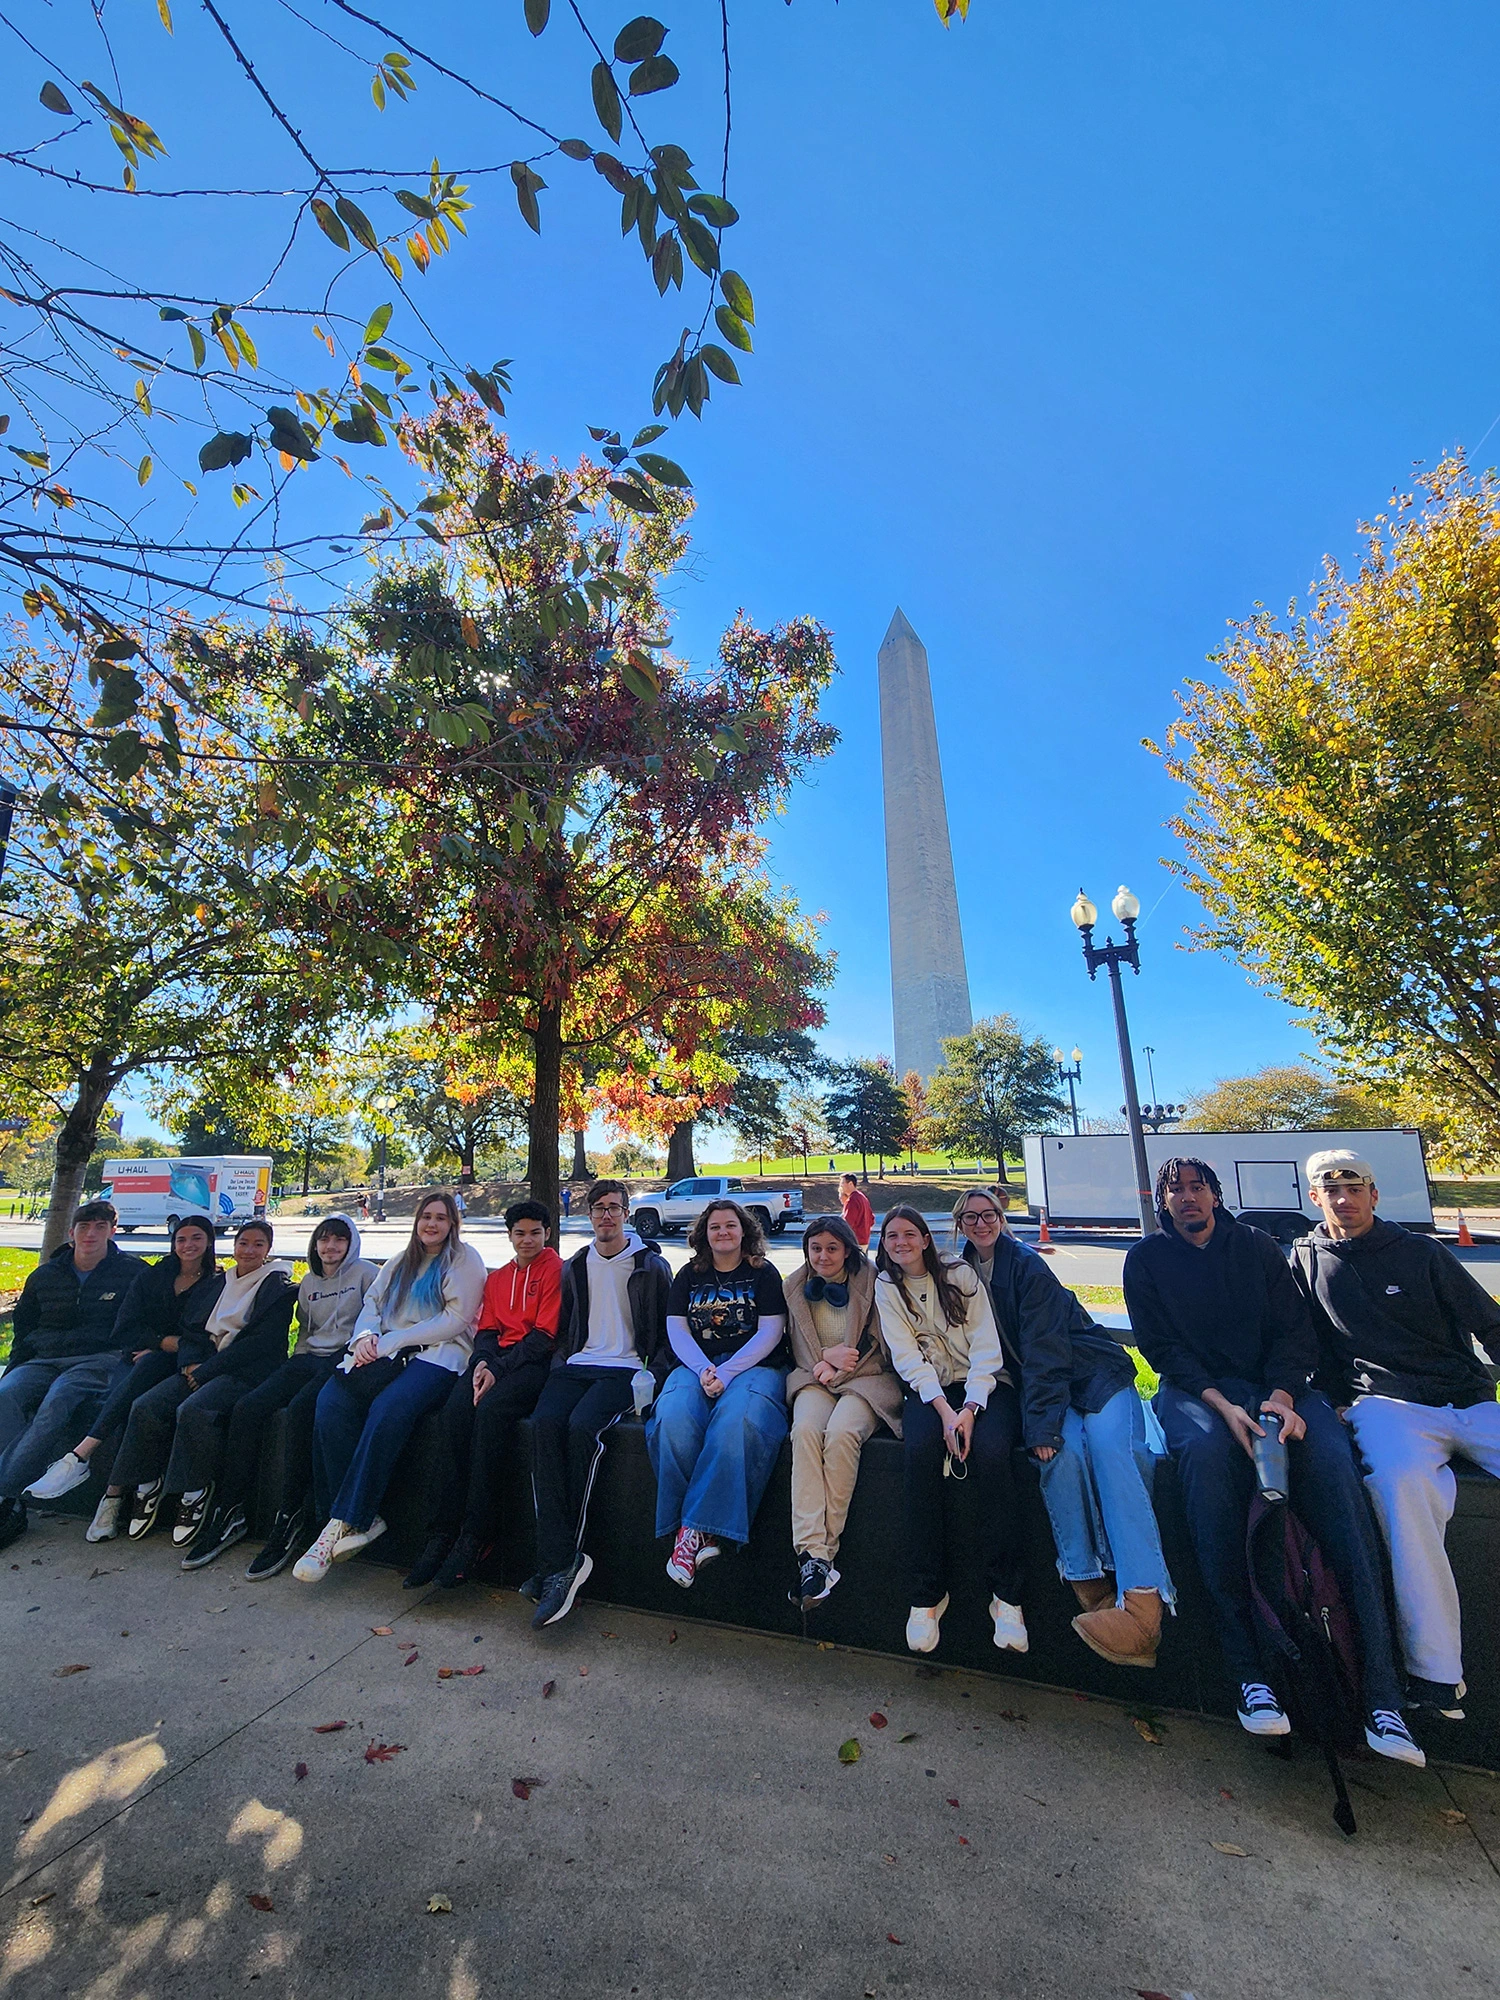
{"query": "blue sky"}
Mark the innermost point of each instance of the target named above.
(1082, 328)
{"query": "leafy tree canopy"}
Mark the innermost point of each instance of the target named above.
(994, 1084)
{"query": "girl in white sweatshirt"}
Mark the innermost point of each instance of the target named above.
(412, 1338)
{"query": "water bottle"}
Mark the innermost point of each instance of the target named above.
(1270, 1457)
(643, 1389)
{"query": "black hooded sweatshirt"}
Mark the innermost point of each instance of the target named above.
(1229, 1312)
(1397, 1315)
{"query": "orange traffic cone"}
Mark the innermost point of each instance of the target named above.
(1044, 1241)
(1465, 1238)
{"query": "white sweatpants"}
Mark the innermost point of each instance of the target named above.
(1406, 1448)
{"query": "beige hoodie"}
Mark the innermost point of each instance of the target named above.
(930, 1355)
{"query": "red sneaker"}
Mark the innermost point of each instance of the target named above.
(683, 1562)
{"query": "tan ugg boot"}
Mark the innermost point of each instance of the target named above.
(1127, 1635)
(1093, 1592)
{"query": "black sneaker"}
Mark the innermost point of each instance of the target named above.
(815, 1580)
(1445, 1698)
(1388, 1736)
(1260, 1712)
(467, 1553)
(226, 1526)
(144, 1509)
(12, 1521)
(560, 1590)
(533, 1587)
(287, 1538)
(192, 1516)
(428, 1563)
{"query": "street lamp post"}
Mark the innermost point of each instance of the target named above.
(382, 1105)
(1070, 1077)
(1111, 955)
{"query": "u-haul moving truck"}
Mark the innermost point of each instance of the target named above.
(230, 1188)
(1263, 1174)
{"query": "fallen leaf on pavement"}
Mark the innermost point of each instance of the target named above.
(1143, 1729)
(889, 1857)
(104, 1572)
(469, 1672)
(61, 1673)
(671, 1638)
(382, 1753)
(1225, 1793)
(259, 1902)
(1451, 1816)
(953, 1803)
(849, 1751)
(411, 1658)
(327, 1728)
(584, 1671)
(962, 1842)
(891, 1938)
(910, 1736)
(522, 1788)
(445, 1673)
(381, 1631)
(1142, 1993)
(216, 1607)
(46, 1897)
(438, 1906)
(549, 1688)
(14, 1753)
(869, 1993)
(300, 1773)
(877, 1720)
(1228, 1847)
(825, 1645)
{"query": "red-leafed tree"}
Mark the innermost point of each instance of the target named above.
(559, 818)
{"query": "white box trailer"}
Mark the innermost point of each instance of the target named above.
(229, 1188)
(1090, 1179)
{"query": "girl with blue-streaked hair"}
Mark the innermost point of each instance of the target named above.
(412, 1338)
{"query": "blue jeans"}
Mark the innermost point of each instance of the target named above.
(1218, 1479)
(1098, 1496)
(45, 1408)
(357, 1437)
(713, 1456)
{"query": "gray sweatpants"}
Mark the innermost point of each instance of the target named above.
(1406, 1448)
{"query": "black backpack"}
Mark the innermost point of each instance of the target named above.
(1307, 1638)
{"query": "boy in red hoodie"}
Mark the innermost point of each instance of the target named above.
(512, 1354)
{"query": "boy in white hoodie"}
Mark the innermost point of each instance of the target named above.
(328, 1304)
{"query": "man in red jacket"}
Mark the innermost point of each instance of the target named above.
(857, 1210)
(513, 1351)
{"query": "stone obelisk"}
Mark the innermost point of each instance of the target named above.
(929, 980)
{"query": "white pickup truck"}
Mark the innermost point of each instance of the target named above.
(684, 1201)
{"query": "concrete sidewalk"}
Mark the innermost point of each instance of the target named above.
(689, 1828)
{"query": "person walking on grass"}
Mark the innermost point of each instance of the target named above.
(612, 1323)
(720, 1419)
(940, 1330)
(513, 1352)
(329, 1299)
(174, 1433)
(413, 1336)
(1398, 1318)
(841, 1389)
(858, 1213)
(1219, 1316)
(1093, 1440)
(65, 1354)
(174, 1292)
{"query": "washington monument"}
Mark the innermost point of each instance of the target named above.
(929, 980)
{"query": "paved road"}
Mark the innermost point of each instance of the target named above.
(175, 1827)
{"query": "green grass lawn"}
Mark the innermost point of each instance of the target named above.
(848, 1163)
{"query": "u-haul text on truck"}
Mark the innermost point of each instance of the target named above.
(229, 1188)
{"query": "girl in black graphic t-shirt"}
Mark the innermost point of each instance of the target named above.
(721, 1416)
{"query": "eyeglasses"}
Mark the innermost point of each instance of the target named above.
(607, 1208)
(981, 1215)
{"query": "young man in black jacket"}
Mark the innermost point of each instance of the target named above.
(613, 1321)
(1397, 1316)
(65, 1356)
(1218, 1315)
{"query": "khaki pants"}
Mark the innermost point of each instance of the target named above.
(827, 1433)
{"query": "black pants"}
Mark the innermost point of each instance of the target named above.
(293, 1388)
(153, 1367)
(177, 1432)
(997, 1431)
(574, 1414)
(477, 1439)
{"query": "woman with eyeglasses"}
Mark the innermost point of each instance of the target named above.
(1088, 1432)
(961, 1418)
(841, 1389)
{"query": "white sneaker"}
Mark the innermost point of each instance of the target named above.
(922, 1626)
(315, 1565)
(61, 1476)
(350, 1543)
(1010, 1626)
(106, 1522)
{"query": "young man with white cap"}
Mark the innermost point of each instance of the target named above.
(1398, 1317)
